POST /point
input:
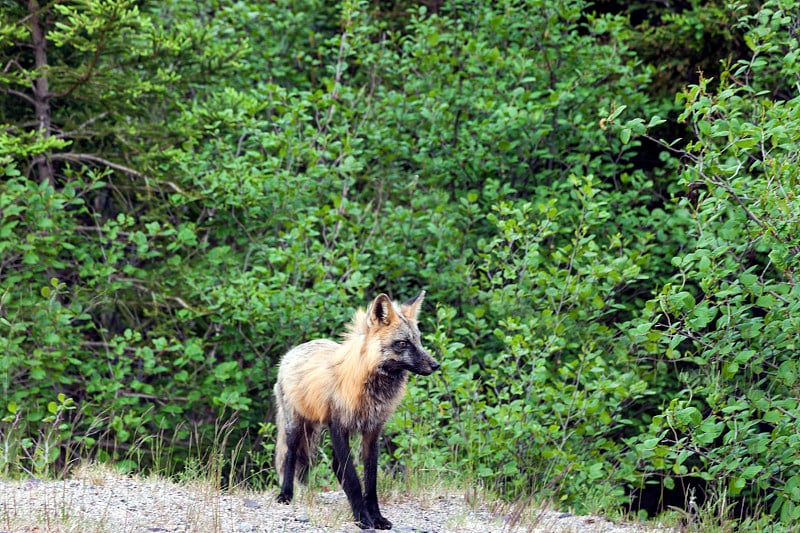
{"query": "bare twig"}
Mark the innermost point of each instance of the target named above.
(82, 127)
(95, 159)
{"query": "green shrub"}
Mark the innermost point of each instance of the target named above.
(724, 327)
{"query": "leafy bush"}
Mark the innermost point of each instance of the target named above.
(724, 326)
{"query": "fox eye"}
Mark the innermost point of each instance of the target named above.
(401, 345)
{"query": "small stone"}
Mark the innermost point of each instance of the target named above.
(302, 517)
(245, 527)
(564, 515)
(32, 483)
(251, 503)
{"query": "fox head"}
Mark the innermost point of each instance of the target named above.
(399, 337)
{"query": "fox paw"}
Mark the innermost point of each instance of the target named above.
(284, 498)
(382, 523)
(364, 521)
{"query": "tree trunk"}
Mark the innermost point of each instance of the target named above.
(41, 90)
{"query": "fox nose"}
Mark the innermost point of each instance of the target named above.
(434, 366)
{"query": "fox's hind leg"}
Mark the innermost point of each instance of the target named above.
(289, 446)
(305, 451)
(294, 443)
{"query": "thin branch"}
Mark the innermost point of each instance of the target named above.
(21, 95)
(738, 200)
(82, 127)
(81, 158)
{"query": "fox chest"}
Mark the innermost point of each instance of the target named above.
(377, 401)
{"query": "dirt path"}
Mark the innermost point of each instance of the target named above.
(105, 503)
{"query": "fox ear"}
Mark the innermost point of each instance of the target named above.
(410, 309)
(382, 311)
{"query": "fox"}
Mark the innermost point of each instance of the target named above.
(352, 386)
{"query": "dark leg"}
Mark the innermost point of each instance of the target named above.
(305, 449)
(346, 473)
(293, 441)
(370, 443)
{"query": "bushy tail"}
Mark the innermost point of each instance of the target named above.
(280, 441)
(284, 420)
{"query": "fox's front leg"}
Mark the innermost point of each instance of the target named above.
(347, 476)
(370, 444)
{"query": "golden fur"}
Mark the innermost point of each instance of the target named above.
(322, 375)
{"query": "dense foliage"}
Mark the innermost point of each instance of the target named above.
(601, 200)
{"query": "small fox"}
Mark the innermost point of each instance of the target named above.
(352, 386)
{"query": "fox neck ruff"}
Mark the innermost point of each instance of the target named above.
(368, 393)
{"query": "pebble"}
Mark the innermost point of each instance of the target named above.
(251, 503)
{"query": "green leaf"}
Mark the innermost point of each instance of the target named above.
(617, 112)
(708, 431)
(689, 416)
(702, 315)
(736, 484)
(745, 143)
(751, 471)
(748, 279)
(787, 372)
(596, 471)
(730, 369)
(224, 370)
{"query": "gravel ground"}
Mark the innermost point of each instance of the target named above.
(105, 503)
